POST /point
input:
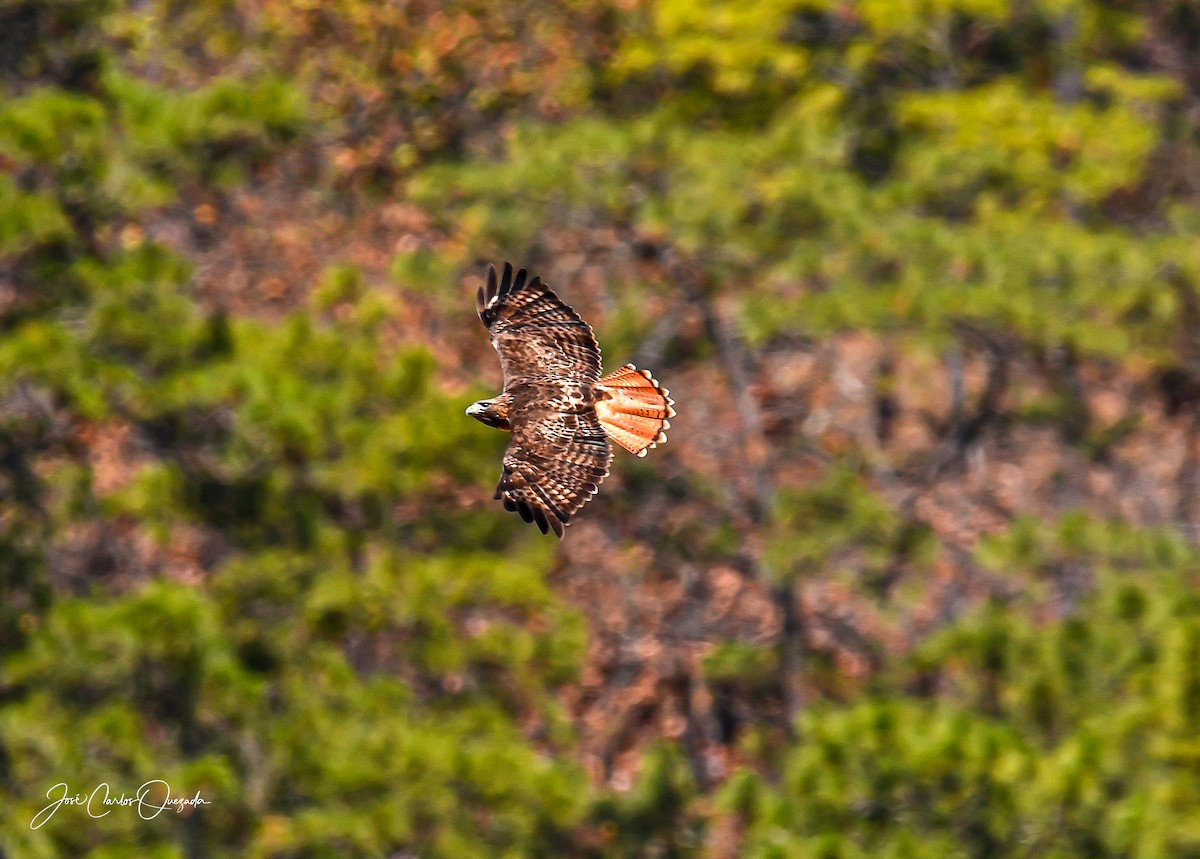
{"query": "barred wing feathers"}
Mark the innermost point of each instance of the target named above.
(558, 453)
(536, 335)
(554, 464)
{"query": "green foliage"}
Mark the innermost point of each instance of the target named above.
(736, 48)
(205, 132)
(987, 180)
(653, 818)
(253, 706)
(1074, 738)
(820, 527)
(30, 220)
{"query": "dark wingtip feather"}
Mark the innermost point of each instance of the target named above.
(525, 510)
(491, 281)
(503, 284)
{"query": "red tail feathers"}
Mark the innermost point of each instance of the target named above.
(634, 409)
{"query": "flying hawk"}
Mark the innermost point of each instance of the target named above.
(561, 413)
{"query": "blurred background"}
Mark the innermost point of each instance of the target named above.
(916, 574)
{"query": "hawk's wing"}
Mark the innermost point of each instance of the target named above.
(558, 454)
(555, 462)
(536, 335)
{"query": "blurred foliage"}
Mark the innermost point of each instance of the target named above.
(1070, 738)
(289, 607)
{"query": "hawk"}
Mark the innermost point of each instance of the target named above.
(559, 409)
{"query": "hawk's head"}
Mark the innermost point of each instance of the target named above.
(493, 412)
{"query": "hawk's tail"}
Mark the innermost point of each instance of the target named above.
(633, 409)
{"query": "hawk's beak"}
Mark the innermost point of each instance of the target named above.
(473, 409)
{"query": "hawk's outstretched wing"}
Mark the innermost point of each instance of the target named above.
(558, 454)
(536, 335)
(555, 462)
